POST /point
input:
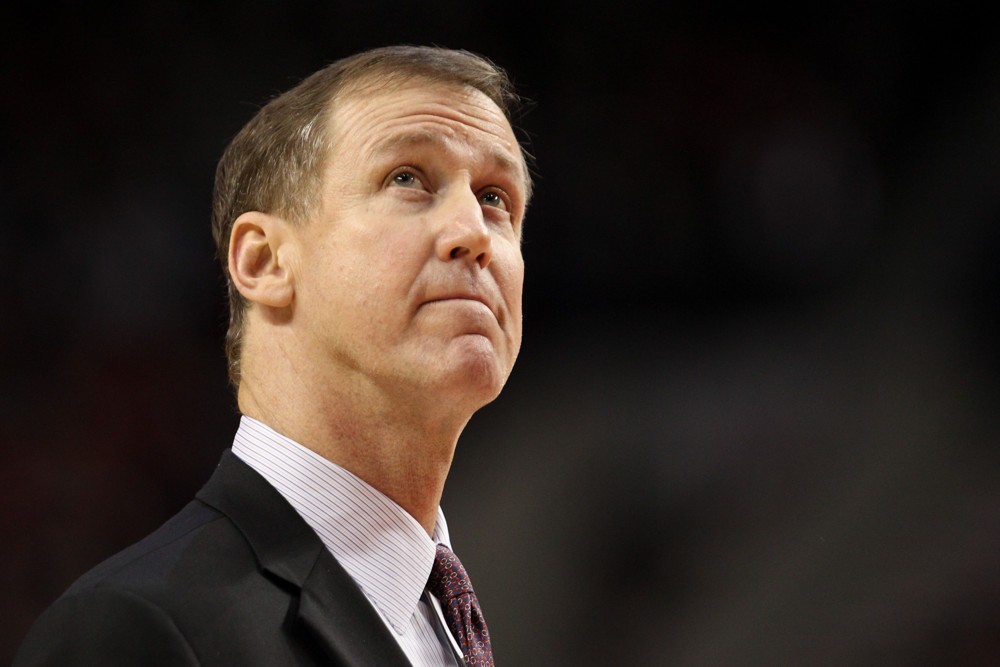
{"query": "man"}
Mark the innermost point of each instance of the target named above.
(369, 221)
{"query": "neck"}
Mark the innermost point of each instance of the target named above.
(403, 450)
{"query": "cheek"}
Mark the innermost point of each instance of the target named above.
(402, 249)
(510, 280)
(510, 276)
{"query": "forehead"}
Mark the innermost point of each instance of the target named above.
(370, 122)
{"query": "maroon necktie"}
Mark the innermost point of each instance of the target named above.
(450, 584)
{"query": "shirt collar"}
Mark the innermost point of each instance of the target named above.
(384, 549)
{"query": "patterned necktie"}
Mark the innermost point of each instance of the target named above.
(450, 584)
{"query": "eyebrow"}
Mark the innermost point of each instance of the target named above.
(395, 142)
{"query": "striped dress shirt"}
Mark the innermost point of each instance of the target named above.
(378, 543)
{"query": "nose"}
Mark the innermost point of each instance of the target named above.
(464, 235)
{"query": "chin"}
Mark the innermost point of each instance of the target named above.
(478, 373)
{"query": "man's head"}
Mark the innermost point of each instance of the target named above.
(279, 162)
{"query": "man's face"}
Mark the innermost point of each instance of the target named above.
(411, 270)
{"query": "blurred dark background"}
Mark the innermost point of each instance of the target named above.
(755, 419)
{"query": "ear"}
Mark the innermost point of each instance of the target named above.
(258, 254)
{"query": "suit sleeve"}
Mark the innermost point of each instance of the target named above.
(104, 627)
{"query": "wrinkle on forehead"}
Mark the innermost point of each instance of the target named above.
(456, 112)
(500, 154)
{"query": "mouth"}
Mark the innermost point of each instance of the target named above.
(468, 297)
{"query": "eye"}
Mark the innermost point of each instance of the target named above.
(406, 177)
(495, 198)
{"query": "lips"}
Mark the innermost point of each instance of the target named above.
(466, 296)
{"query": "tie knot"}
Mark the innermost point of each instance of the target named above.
(448, 578)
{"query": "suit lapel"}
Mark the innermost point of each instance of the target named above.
(339, 614)
(329, 604)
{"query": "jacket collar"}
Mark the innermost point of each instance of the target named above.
(326, 600)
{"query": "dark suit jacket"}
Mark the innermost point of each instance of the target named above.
(237, 578)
